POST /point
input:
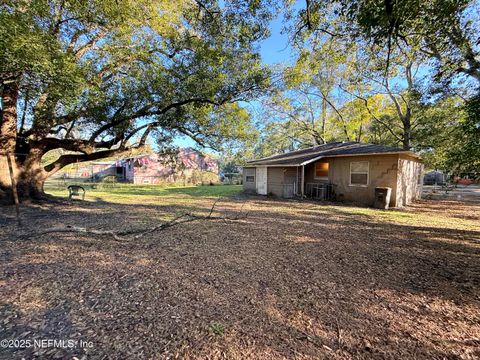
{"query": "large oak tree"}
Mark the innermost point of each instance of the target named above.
(97, 77)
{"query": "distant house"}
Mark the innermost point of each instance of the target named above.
(434, 177)
(188, 166)
(101, 169)
(342, 170)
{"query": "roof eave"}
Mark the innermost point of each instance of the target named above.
(405, 152)
(273, 165)
(306, 162)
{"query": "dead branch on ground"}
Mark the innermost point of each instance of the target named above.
(121, 235)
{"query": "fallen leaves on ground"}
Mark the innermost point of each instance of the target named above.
(293, 280)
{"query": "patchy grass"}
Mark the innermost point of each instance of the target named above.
(459, 216)
(292, 280)
(217, 328)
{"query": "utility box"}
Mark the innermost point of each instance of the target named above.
(382, 197)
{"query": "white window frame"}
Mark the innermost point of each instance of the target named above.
(248, 176)
(368, 174)
(315, 171)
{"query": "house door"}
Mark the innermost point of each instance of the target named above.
(261, 176)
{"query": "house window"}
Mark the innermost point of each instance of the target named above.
(359, 173)
(321, 170)
(250, 178)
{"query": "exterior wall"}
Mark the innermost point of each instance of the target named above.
(293, 179)
(249, 186)
(281, 181)
(409, 181)
(382, 172)
(399, 172)
(129, 169)
(275, 181)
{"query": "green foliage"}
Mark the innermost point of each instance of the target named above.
(444, 30)
(376, 70)
(465, 156)
(105, 74)
(199, 177)
(279, 138)
(217, 328)
(450, 133)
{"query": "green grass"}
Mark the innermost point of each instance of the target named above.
(190, 195)
(406, 217)
(217, 328)
(129, 193)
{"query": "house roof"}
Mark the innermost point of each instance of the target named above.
(333, 149)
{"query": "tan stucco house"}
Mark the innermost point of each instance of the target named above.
(349, 171)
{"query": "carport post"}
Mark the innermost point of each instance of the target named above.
(302, 185)
(296, 182)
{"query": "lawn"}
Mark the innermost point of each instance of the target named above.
(289, 279)
(129, 193)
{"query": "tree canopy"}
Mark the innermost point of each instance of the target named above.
(399, 72)
(98, 77)
(93, 79)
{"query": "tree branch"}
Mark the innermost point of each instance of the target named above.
(120, 236)
(67, 159)
(146, 111)
(390, 130)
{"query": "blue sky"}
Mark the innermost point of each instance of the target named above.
(275, 49)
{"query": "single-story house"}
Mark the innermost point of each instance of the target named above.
(347, 171)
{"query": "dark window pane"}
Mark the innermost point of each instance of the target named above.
(358, 179)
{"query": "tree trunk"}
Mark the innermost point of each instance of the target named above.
(407, 129)
(32, 175)
(27, 170)
(324, 119)
(29, 177)
(406, 139)
(8, 125)
(31, 186)
(8, 136)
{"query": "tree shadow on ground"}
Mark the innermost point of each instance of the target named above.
(281, 283)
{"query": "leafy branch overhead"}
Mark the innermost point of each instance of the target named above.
(99, 77)
(386, 72)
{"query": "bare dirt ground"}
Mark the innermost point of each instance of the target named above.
(292, 280)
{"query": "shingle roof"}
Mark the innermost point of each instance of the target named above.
(304, 156)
